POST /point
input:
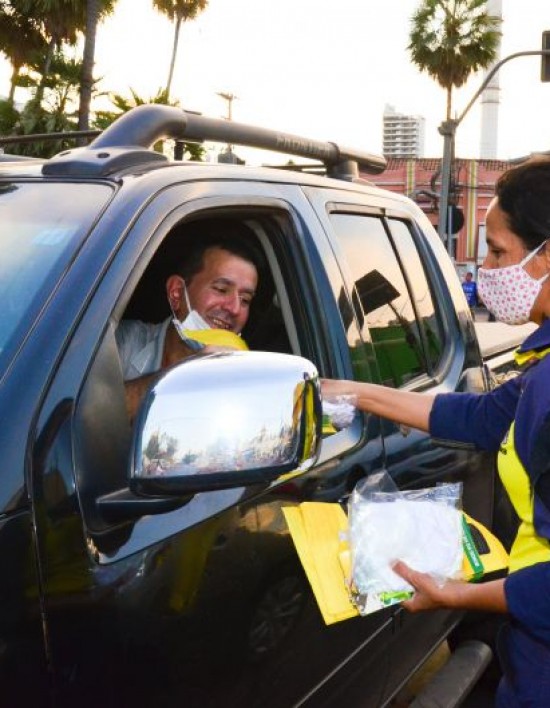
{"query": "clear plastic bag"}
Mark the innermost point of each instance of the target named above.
(340, 411)
(421, 527)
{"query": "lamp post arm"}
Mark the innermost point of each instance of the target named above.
(493, 71)
(448, 130)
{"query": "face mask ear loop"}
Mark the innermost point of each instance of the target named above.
(186, 295)
(187, 303)
(532, 254)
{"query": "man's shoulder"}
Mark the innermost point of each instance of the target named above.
(133, 335)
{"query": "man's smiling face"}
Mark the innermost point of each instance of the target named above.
(222, 291)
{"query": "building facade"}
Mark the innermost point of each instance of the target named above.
(474, 179)
(403, 135)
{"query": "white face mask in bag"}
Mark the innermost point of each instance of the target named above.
(193, 322)
(510, 293)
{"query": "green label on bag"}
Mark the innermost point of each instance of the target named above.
(470, 551)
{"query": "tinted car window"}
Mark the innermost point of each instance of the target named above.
(36, 245)
(430, 323)
(382, 296)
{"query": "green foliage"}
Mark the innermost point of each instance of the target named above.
(34, 36)
(35, 119)
(20, 40)
(451, 39)
(54, 113)
(180, 9)
(8, 117)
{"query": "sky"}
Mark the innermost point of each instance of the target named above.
(321, 69)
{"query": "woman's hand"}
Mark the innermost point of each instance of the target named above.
(428, 594)
(454, 594)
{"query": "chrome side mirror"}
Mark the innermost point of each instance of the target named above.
(227, 420)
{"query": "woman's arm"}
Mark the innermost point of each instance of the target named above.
(454, 594)
(405, 407)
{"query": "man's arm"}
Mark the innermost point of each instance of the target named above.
(135, 390)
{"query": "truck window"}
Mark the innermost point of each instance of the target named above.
(384, 299)
(429, 320)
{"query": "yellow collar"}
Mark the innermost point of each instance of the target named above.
(524, 357)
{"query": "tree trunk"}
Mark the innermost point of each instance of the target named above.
(88, 60)
(173, 60)
(45, 72)
(449, 101)
(13, 83)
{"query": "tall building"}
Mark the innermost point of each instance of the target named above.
(490, 99)
(403, 135)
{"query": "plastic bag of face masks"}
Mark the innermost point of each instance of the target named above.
(421, 527)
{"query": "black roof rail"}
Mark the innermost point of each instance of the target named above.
(126, 144)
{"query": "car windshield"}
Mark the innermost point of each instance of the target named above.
(42, 225)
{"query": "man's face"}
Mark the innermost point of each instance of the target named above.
(223, 290)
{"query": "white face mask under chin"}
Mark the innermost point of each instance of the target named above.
(192, 322)
(510, 293)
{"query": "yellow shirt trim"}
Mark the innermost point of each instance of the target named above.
(528, 548)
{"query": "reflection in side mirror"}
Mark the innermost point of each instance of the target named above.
(227, 420)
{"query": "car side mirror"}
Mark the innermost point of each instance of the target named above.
(227, 420)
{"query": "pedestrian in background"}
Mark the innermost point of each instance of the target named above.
(469, 286)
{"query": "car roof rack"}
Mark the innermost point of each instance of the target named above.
(126, 143)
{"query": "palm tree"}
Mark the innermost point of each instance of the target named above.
(178, 11)
(96, 10)
(20, 40)
(451, 39)
(59, 21)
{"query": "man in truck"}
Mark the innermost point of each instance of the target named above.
(211, 290)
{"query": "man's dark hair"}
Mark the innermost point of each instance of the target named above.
(524, 195)
(232, 236)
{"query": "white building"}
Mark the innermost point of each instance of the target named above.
(403, 135)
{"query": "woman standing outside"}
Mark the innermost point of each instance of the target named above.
(513, 420)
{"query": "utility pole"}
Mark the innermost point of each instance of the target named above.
(229, 97)
(228, 155)
(448, 130)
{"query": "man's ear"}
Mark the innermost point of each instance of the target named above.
(175, 285)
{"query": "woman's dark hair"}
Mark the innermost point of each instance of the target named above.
(523, 194)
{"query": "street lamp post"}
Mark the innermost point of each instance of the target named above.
(448, 130)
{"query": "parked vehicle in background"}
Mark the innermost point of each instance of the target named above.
(125, 583)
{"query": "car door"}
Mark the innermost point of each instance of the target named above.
(205, 603)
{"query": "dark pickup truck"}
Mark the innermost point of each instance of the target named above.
(150, 565)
